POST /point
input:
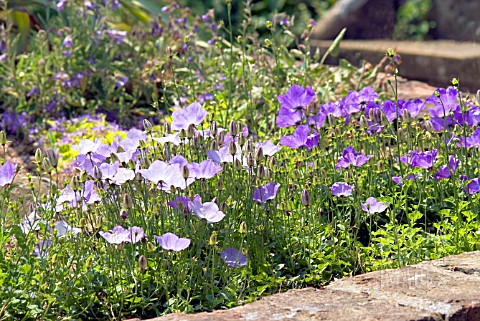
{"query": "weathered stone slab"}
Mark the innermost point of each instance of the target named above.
(435, 62)
(447, 289)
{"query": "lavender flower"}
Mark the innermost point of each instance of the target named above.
(297, 98)
(341, 189)
(121, 82)
(117, 235)
(120, 235)
(7, 173)
(171, 242)
(223, 155)
(473, 187)
(208, 210)
(350, 157)
(300, 138)
(234, 257)
(205, 170)
(418, 159)
(67, 42)
(118, 36)
(373, 206)
(192, 115)
(265, 193)
(445, 103)
(269, 149)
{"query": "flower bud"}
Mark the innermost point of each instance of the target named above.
(191, 131)
(147, 125)
(332, 121)
(363, 121)
(268, 173)
(185, 172)
(272, 161)
(233, 128)
(166, 128)
(261, 171)
(380, 166)
(238, 164)
(97, 173)
(46, 165)
(197, 140)
(407, 116)
(306, 198)
(250, 160)
(3, 138)
(83, 176)
(213, 128)
(150, 247)
(38, 156)
(220, 185)
(223, 207)
(241, 140)
(220, 138)
(212, 241)
(142, 263)
(259, 155)
(214, 145)
(232, 148)
(243, 227)
(249, 147)
(127, 201)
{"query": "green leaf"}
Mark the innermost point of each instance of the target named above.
(334, 47)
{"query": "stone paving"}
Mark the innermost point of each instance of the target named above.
(447, 289)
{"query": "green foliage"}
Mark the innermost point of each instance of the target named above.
(412, 20)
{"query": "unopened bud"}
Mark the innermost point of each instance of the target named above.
(259, 155)
(97, 173)
(272, 161)
(380, 166)
(233, 128)
(223, 207)
(147, 125)
(232, 148)
(407, 116)
(306, 198)
(212, 241)
(83, 176)
(261, 171)
(150, 247)
(38, 156)
(142, 263)
(127, 201)
(46, 165)
(213, 128)
(243, 227)
(241, 140)
(250, 160)
(191, 131)
(363, 121)
(220, 138)
(238, 164)
(332, 121)
(185, 172)
(220, 185)
(268, 173)
(166, 128)
(3, 138)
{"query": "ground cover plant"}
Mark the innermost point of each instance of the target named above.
(258, 169)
